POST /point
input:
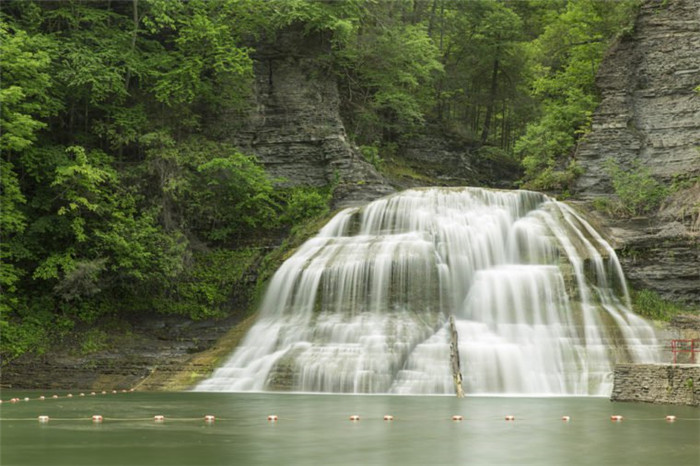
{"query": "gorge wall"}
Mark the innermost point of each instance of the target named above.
(294, 126)
(650, 112)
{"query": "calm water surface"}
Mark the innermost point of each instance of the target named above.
(316, 430)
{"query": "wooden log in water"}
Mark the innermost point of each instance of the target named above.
(454, 359)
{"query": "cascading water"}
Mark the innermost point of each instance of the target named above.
(539, 301)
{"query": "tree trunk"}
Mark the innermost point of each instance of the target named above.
(492, 102)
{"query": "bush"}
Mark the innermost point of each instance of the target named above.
(638, 193)
(371, 154)
(303, 203)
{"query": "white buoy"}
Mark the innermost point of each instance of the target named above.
(93, 393)
(43, 419)
(159, 418)
(670, 418)
(70, 395)
(272, 418)
(354, 417)
(616, 418)
(510, 418)
(55, 396)
(42, 397)
(566, 418)
(82, 394)
(26, 398)
(114, 392)
(97, 418)
(457, 417)
(388, 417)
(104, 392)
(209, 418)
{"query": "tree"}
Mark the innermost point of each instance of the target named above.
(567, 56)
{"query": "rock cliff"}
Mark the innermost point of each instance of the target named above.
(650, 112)
(294, 126)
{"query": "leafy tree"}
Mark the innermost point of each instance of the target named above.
(567, 57)
(387, 73)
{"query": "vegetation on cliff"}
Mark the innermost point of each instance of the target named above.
(118, 198)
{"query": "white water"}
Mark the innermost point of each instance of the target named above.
(538, 296)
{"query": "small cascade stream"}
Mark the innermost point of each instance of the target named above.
(539, 300)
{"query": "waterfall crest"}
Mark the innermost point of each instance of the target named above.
(539, 301)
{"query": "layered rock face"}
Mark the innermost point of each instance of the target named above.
(295, 127)
(649, 109)
(650, 112)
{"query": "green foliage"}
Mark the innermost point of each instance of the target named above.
(93, 340)
(649, 304)
(388, 72)
(208, 285)
(302, 203)
(567, 55)
(223, 194)
(26, 81)
(371, 154)
(637, 192)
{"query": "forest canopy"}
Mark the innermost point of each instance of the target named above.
(117, 198)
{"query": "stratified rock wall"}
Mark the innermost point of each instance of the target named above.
(295, 127)
(650, 112)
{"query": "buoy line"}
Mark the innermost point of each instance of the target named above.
(273, 418)
(66, 396)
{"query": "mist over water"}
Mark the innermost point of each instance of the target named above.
(538, 296)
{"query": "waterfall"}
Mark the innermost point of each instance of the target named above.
(538, 298)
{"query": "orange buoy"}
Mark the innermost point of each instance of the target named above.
(272, 418)
(670, 418)
(354, 417)
(510, 418)
(97, 418)
(43, 419)
(388, 417)
(616, 418)
(457, 417)
(209, 418)
(159, 418)
(566, 418)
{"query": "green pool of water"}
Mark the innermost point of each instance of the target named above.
(316, 430)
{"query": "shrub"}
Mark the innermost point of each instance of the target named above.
(638, 193)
